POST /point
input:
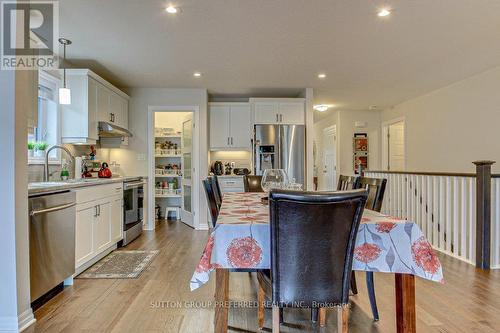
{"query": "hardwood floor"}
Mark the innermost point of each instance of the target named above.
(160, 300)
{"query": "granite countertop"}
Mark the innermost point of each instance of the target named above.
(56, 186)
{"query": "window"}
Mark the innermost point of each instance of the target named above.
(46, 133)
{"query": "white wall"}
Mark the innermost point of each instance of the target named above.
(345, 122)
(133, 159)
(16, 101)
(449, 128)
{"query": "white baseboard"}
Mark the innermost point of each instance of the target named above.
(26, 319)
(17, 324)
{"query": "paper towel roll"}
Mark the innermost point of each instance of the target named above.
(78, 167)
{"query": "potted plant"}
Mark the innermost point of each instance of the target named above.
(31, 148)
(40, 148)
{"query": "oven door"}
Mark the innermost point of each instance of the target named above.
(131, 202)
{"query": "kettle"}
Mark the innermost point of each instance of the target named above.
(218, 168)
(104, 172)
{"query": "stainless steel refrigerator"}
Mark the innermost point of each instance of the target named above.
(280, 147)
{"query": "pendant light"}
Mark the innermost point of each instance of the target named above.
(64, 93)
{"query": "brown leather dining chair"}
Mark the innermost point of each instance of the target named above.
(311, 261)
(253, 183)
(212, 205)
(217, 192)
(347, 183)
(376, 189)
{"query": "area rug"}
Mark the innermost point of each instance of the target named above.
(120, 265)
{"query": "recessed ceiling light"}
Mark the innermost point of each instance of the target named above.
(171, 10)
(384, 12)
(322, 107)
(321, 76)
(197, 74)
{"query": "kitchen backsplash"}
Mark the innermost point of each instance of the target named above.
(242, 159)
(35, 171)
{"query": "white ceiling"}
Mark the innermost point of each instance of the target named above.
(277, 47)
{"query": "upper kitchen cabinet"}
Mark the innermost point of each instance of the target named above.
(230, 126)
(93, 99)
(289, 111)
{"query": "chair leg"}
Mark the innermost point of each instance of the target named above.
(354, 286)
(322, 317)
(370, 285)
(276, 319)
(343, 318)
(261, 298)
(314, 315)
(281, 316)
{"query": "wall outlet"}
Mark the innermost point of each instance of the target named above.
(141, 157)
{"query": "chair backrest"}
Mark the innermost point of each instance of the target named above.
(347, 183)
(217, 193)
(212, 205)
(376, 190)
(253, 183)
(312, 245)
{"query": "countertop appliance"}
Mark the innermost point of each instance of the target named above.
(52, 241)
(280, 147)
(218, 168)
(133, 214)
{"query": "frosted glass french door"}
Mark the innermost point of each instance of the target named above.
(187, 171)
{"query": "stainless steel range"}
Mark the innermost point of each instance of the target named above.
(133, 202)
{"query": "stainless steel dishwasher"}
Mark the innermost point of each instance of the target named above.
(52, 241)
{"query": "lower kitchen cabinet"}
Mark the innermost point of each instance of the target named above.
(99, 223)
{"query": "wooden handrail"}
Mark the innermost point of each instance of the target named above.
(425, 173)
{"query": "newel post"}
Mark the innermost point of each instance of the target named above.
(483, 213)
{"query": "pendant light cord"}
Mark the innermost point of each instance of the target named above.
(64, 66)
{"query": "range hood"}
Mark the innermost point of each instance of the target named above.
(110, 130)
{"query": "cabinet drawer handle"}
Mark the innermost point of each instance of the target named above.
(231, 141)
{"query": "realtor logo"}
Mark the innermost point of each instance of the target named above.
(29, 33)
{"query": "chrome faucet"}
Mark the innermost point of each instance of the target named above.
(46, 169)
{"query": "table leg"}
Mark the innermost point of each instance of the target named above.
(405, 303)
(221, 300)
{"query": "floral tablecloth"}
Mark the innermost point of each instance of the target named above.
(384, 244)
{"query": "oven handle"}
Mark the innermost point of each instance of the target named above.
(129, 186)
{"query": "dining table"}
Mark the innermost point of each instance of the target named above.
(384, 244)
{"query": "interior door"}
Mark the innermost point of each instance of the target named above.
(187, 171)
(329, 180)
(396, 146)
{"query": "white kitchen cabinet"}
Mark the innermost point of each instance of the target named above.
(292, 113)
(84, 249)
(99, 222)
(287, 111)
(266, 113)
(79, 119)
(116, 219)
(230, 126)
(219, 126)
(102, 226)
(93, 99)
(231, 184)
